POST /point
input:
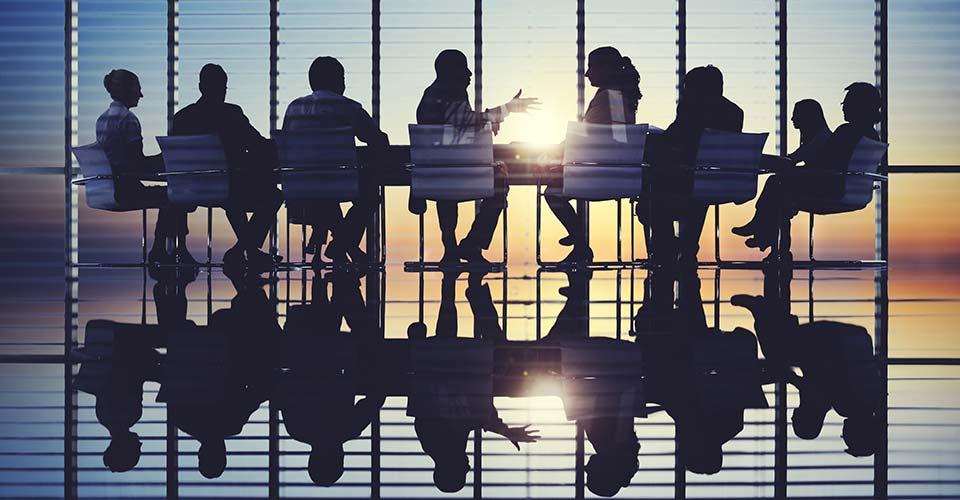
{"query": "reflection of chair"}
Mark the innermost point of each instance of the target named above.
(449, 163)
(321, 165)
(601, 162)
(726, 171)
(100, 185)
(858, 184)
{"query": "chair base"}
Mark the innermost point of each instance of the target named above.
(417, 266)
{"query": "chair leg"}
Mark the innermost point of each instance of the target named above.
(421, 238)
(383, 225)
(505, 232)
(810, 236)
(143, 236)
(209, 235)
(619, 233)
(716, 233)
(538, 223)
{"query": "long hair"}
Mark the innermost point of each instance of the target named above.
(627, 78)
(809, 115)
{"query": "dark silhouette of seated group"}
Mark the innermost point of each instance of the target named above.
(252, 161)
(213, 378)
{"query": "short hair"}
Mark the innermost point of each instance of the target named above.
(448, 60)
(325, 466)
(712, 80)
(448, 477)
(865, 100)
(862, 435)
(117, 80)
(123, 453)
(212, 77)
(326, 73)
(212, 458)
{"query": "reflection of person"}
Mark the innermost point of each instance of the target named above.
(838, 365)
(703, 377)
(453, 389)
(317, 394)
(615, 102)
(120, 136)
(818, 182)
(445, 102)
(326, 108)
(217, 376)
(702, 105)
(250, 158)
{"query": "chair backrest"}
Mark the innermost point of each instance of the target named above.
(101, 193)
(325, 163)
(728, 164)
(449, 145)
(199, 168)
(612, 144)
(451, 163)
(866, 158)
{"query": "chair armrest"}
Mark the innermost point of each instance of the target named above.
(605, 164)
(193, 172)
(83, 180)
(311, 169)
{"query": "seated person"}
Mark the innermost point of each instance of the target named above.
(840, 371)
(814, 133)
(818, 180)
(615, 102)
(250, 159)
(702, 105)
(120, 136)
(445, 102)
(327, 108)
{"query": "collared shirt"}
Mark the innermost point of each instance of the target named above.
(438, 108)
(326, 109)
(116, 128)
(609, 107)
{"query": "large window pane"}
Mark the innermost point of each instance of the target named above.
(31, 92)
(924, 45)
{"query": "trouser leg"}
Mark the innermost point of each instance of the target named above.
(567, 215)
(481, 232)
(447, 216)
(264, 215)
(691, 225)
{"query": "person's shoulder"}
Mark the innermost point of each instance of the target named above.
(233, 110)
(185, 111)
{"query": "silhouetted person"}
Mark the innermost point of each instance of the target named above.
(573, 319)
(217, 376)
(119, 357)
(445, 102)
(838, 365)
(327, 108)
(447, 403)
(703, 377)
(618, 92)
(251, 159)
(120, 136)
(701, 106)
(818, 181)
(316, 395)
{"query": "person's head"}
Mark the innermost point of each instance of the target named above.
(606, 474)
(417, 330)
(123, 87)
(607, 68)
(861, 434)
(123, 452)
(451, 68)
(704, 457)
(808, 115)
(808, 421)
(449, 476)
(326, 464)
(213, 82)
(326, 73)
(212, 458)
(862, 103)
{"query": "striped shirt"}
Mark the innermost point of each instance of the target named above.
(325, 109)
(116, 128)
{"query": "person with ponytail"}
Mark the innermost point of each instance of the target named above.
(618, 93)
(120, 136)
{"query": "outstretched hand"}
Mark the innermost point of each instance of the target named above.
(518, 435)
(523, 104)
